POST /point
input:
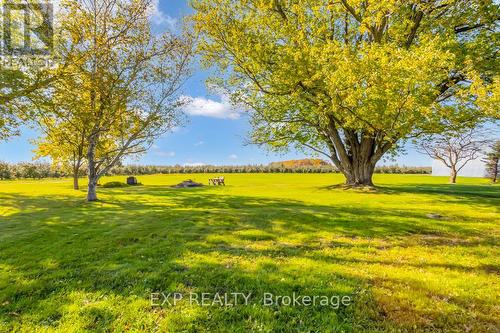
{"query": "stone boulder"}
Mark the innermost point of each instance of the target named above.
(188, 183)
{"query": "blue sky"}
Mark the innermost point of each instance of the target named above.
(214, 134)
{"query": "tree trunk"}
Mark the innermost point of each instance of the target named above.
(359, 176)
(92, 191)
(453, 176)
(495, 172)
(93, 175)
(76, 186)
(76, 170)
(355, 153)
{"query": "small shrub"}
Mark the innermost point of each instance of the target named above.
(114, 185)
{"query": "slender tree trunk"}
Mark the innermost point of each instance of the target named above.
(92, 187)
(453, 175)
(76, 186)
(77, 162)
(93, 176)
(495, 172)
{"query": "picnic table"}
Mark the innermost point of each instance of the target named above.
(216, 181)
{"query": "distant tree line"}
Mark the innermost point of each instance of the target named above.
(34, 170)
(306, 162)
(40, 170)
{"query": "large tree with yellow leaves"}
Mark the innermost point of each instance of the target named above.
(352, 79)
(123, 89)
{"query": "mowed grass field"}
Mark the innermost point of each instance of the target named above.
(71, 266)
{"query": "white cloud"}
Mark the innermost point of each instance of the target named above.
(200, 106)
(158, 17)
(196, 164)
(233, 157)
(199, 143)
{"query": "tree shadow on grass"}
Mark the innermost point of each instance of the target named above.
(56, 251)
(486, 195)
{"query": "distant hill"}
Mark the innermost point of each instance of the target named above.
(306, 162)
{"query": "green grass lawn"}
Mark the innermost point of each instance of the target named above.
(70, 266)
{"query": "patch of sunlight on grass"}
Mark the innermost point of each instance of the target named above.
(8, 211)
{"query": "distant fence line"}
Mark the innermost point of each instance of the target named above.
(37, 170)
